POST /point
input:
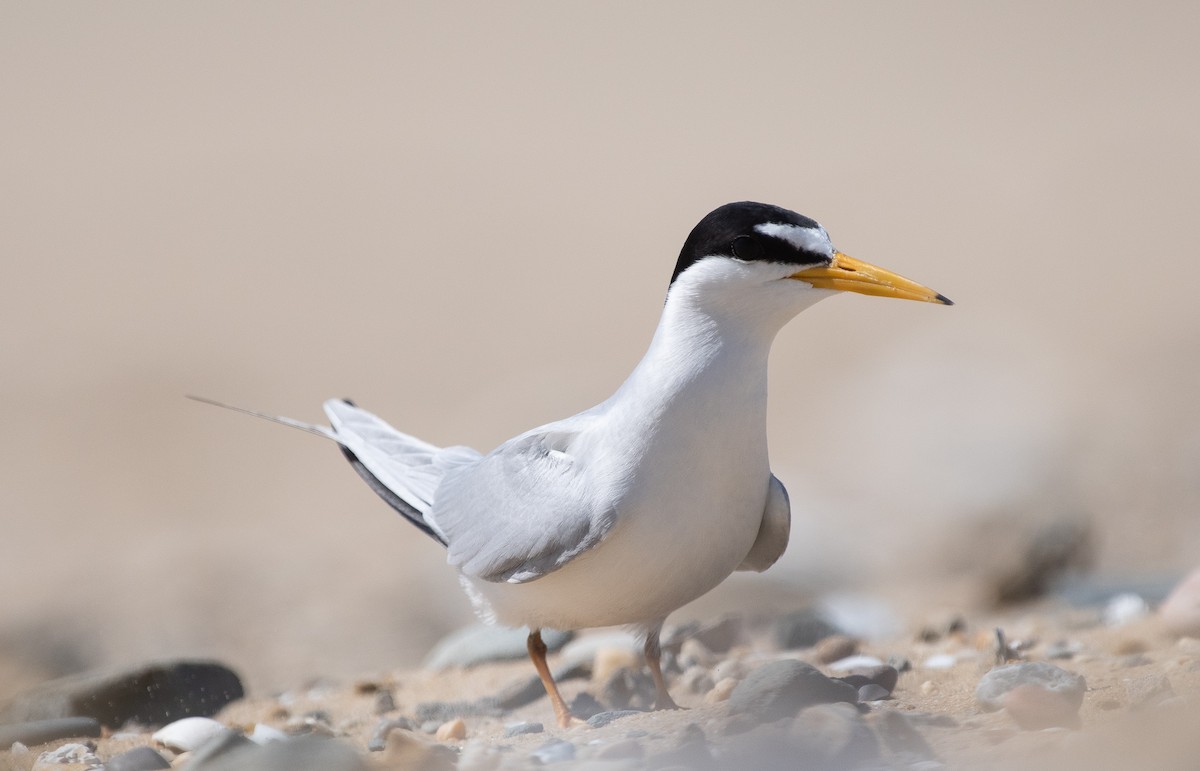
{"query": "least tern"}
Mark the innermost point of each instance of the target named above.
(629, 510)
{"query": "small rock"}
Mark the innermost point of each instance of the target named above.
(995, 684)
(378, 741)
(855, 662)
(225, 743)
(522, 728)
(303, 753)
(899, 663)
(884, 676)
(601, 719)
(1148, 691)
(480, 644)
(137, 759)
(554, 751)
(783, 688)
(1035, 707)
(1124, 608)
(584, 705)
(803, 629)
(611, 660)
(407, 749)
(452, 731)
(188, 734)
(42, 731)
(69, 753)
(721, 691)
(873, 692)
(940, 661)
(148, 695)
(385, 701)
(430, 726)
(835, 647)
(1180, 611)
(901, 737)
(833, 736)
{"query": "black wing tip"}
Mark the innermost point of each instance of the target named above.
(944, 300)
(406, 509)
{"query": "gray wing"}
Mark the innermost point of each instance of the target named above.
(524, 510)
(772, 532)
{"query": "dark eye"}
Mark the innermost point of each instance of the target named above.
(747, 248)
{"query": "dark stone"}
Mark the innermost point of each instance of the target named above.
(803, 629)
(441, 711)
(1053, 551)
(379, 737)
(150, 695)
(520, 729)
(873, 692)
(884, 676)
(783, 688)
(584, 705)
(137, 759)
(41, 731)
(601, 719)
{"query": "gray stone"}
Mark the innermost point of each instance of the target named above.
(901, 737)
(873, 692)
(584, 705)
(522, 728)
(137, 759)
(834, 735)
(70, 753)
(604, 718)
(1148, 691)
(42, 731)
(554, 751)
(995, 684)
(379, 737)
(225, 743)
(149, 695)
(803, 629)
(304, 753)
(480, 644)
(783, 688)
(884, 676)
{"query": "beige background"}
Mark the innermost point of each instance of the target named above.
(464, 217)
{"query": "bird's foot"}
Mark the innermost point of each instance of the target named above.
(570, 721)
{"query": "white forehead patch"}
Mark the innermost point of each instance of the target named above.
(808, 239)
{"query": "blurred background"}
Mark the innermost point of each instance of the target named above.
(464, 216)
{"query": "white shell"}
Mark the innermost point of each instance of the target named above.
(188, 733)
(262, 734)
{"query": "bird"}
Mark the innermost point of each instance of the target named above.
(623, 513)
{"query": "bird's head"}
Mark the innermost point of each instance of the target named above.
(754, 255)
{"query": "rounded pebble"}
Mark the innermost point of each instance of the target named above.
(137, 759)
(993, 686)
(836, 647)
(554, 751)
(720, 691)
(873, 692)
(519, 729)
(188, 733)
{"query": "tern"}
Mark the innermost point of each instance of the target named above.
(631, 509)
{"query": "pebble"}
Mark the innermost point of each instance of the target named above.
(264, 733)
(1124, 608)
(721, 691)
(68, 753)
(803, 629)
(408, 749)
(188, 734)
(149, 695)
(783, 688)
(452, 731)
(873, 692)
(137, 759)
(584, 705)
(378, 741)
(940, 661)
(884, 676)
(835, 647)
(554, 751)
(855, 662)
(480, 644)
(42, 731)
(834, 736)
(601, 719)
(225, 743)
(995, 684)
(1180, 611)
(1035, 707)
(522, 728)
(303, 753)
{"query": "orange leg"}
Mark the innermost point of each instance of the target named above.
(662, 699)
(537, 652)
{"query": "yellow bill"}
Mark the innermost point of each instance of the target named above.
(850, 275)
